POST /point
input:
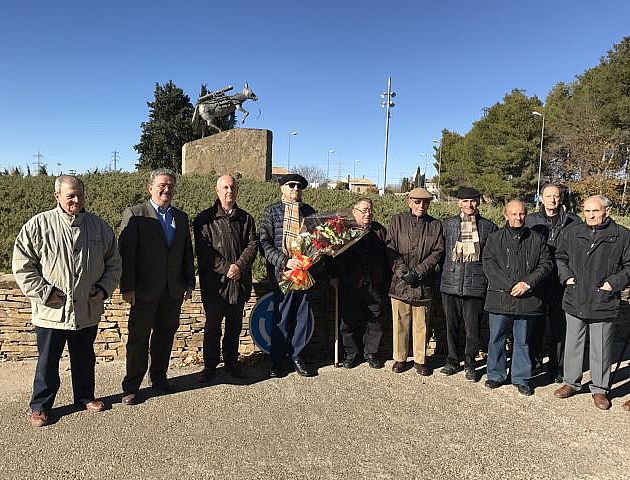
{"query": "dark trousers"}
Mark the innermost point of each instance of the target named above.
(50, 344)
(153, 323)
(361, 324)
(557, 320)
(469, 311)
(216, 310)
(289, 334)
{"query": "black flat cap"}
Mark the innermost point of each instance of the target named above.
(293, 177)
(467, 192)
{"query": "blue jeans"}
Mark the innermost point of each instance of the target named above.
(521, 368)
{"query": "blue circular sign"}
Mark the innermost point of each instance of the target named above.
(261, 322)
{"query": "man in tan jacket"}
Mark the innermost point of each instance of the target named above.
(66, 261)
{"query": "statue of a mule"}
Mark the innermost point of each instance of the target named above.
(217, 104)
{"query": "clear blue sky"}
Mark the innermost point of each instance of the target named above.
(76, 75)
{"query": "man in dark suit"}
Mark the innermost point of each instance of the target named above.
(158, 274)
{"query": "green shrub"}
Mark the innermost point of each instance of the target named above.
(107, 195)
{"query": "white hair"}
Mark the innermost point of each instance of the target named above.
(70, 179)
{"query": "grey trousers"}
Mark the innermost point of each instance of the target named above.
(601, 335)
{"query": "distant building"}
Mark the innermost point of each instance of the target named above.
(362, 185)
(337, 185)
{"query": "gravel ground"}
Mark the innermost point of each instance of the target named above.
(359, 423)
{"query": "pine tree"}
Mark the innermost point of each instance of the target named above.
(168, 128)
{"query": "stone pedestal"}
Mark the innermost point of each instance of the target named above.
(241, 151)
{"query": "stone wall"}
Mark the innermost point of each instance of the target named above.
(17, 337)
(240, 151)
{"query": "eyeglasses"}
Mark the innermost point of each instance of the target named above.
(419, 201)
(364, 212)
(294, 185)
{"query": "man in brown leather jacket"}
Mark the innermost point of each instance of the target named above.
(415, 246)
(226, 244)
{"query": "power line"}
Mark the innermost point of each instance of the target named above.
(114, 163)
(40, 164)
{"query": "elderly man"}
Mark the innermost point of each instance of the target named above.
(226, 244)
(593, 261)
(363, 285)
(158, 273)
(463, 284)
(516, 262)
(551, 221)
(66, 261)
(279, 226)
(415, 246)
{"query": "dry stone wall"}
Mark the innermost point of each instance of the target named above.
(18, 342)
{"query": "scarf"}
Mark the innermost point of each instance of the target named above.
(467, 248)
(290, 226)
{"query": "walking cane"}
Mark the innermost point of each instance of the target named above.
(337, 364)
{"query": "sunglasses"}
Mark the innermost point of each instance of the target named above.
(294, 185)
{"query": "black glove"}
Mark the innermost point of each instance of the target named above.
(411, 277)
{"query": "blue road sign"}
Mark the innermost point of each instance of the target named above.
(261, 322)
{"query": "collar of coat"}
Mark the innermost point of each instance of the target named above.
(72, 220)
(220, 212)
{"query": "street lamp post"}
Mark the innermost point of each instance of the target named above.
(426, 162)
(439, 167)
(388, 104)
(328, 165)
(542, 137)
(289, 151)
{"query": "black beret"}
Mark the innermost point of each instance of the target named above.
(467, 192)
(293, 177)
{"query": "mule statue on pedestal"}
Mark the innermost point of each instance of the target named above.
(217, 104)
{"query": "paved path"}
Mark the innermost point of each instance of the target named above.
(358, 424)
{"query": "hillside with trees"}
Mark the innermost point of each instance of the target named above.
(586, 142)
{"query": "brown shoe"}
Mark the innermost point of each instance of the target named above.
(39, 418)
(399, 367)
(601, 401)
(422, 369)
(626, 406)
(95, 406)
(565, 391)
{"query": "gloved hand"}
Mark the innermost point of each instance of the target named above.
(411, 277)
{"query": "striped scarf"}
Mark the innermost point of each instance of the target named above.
(467, 248)
(290, 226)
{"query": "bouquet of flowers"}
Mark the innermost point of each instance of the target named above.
(321, 234)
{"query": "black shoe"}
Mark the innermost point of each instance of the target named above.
(349, 362)
(374, 362)
(302, 369)
(559, 378)
(471, 375)
(492, 384)
(525, 390)
(449, 369)
(276, 371)
(207, 374)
